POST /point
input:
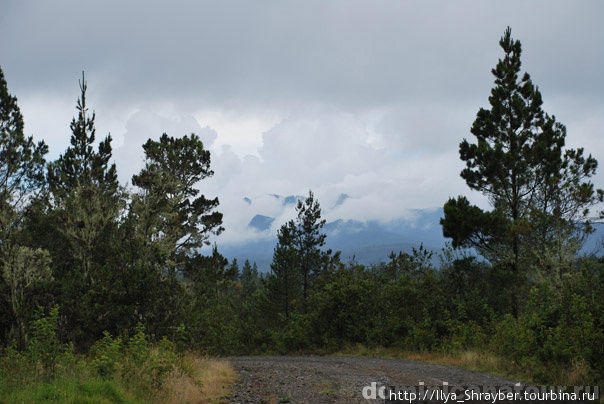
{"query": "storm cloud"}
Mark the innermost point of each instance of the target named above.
(366, 98)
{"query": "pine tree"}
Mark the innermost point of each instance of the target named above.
(249, 277)
(519, 163)
(84, 193)
(232, 272)
(80, 165)
(299, 246)
(308, 241)
(21, 159)
(284, 284)
(169, 209)
(21, 181)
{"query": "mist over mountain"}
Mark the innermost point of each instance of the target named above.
(365, 242)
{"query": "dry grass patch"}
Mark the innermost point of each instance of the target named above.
(465, 359)
(576, 374)
(473, 360)
(199, 380)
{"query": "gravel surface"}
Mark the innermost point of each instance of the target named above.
(337, 379)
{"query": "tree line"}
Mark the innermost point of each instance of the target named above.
(513, 281)
(72, 236)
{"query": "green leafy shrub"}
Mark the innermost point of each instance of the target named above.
(107, 355)
(44, 347)
(465, 335)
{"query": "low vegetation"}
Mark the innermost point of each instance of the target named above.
(125, 369)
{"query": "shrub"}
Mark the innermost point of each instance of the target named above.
(44, 347)
(107, 355)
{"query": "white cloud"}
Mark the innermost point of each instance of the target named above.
(143, 125)
(346, 96)
(329, 152)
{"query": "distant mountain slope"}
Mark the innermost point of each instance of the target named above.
(261, 222)
(368, 242)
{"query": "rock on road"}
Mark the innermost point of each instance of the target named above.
(337, 379)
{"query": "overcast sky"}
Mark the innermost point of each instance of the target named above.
(368, 98)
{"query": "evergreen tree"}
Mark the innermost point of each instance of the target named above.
(232, 272)
(21, 160)
(299, 246)
(166, 225)
(308, 241)
(169, 210)
(284, 284)
(77, 221)
(207, 272)
(249, 277)
(80, 165)
(519, 164)
(84, 194)
(21, 181)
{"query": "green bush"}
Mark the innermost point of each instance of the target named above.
(134, 359)
(465, 335)
(116, 370)
(107, 355)
(44, 347)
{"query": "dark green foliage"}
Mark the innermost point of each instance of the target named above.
(78, 222)
(173, 167)
(470, 226)
(21, 181)
(285, 283)
(21, 159)
(232, 271)
(308, 240)
(117, 259)
(561, 327)
(346, 308)
(541, 193)
(80, 165)
(298, 259)
(249, 278)
(166, 223)
(537, 188)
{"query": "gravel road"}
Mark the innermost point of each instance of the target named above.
(337, 379)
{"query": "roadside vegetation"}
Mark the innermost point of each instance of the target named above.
(124, 369)
(106, 293)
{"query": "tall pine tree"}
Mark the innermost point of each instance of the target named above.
(519, 163)
(21, 181)
(299, 249)
(84, 192)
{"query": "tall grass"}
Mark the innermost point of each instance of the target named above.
(126, 369)
(575, 374)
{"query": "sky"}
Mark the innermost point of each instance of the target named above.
(365, 98)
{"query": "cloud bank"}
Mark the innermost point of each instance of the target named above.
(342, 97)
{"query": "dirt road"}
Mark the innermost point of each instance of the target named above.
(337, 379)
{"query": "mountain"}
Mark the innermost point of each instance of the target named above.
(261, 222)
(367, 242)
(292, 200)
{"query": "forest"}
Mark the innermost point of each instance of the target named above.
(104, 288)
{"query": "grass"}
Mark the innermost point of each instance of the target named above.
(70, 390)
(195, 380)
(481, 361)
(198, 380)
